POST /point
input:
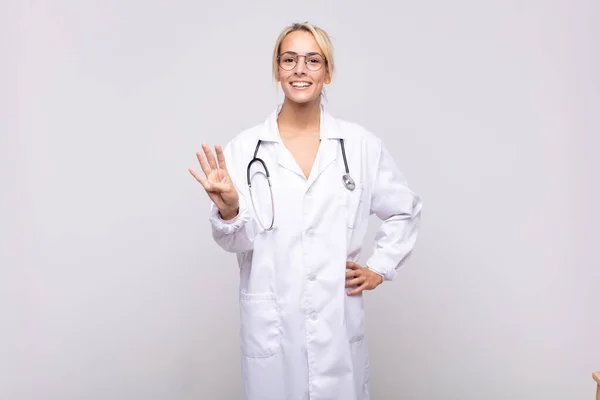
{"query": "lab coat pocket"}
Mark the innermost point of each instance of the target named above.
(352, 202)
(260, 325)
(355, 318)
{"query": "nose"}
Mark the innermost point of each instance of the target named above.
(300, 65)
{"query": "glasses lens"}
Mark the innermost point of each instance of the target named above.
(288, 61)
(314, 62)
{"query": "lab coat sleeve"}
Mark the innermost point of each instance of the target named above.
(237, 234)
(400, 210)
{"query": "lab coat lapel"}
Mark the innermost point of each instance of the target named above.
(271, 134)
(330, 145)
(286, 160)
(326, 156)
(328, 150)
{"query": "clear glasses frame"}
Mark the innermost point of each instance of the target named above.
(295, 57)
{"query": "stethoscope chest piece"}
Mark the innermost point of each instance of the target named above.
(348, 182)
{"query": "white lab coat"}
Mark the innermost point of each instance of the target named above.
(302, 336)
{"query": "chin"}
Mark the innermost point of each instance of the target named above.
(301, 98)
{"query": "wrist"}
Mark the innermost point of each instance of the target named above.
(379, 275)
(229, 213)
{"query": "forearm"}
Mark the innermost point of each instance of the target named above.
(234, 234)
(400, 210)
(394, 243)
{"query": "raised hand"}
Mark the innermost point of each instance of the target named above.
(217, 183)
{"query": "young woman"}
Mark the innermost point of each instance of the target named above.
(291, 197)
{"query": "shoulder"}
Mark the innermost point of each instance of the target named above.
(241, 146)
(358, 133)
(241, 139)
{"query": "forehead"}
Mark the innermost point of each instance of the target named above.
(300, 42)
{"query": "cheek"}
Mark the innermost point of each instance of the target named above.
(321, 78)
(283, 76)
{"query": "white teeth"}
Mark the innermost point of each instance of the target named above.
(300, 84)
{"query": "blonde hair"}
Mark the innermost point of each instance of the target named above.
(321, 37)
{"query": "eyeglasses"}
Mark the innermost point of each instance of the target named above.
(289, 59)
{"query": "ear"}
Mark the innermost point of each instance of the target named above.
(327, 78)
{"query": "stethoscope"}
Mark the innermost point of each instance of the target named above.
(346, 179)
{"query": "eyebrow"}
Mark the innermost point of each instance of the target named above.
(312, 53)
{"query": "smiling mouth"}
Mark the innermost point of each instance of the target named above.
(300, 84)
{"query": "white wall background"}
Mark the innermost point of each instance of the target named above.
(110, 285)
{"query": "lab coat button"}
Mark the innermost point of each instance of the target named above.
(313, 316)
(312, 277)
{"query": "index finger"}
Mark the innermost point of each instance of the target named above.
(352, 265)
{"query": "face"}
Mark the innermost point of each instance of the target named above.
(301, 84)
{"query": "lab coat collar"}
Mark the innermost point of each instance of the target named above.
(329, 128)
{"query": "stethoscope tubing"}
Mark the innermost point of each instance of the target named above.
(346, 178)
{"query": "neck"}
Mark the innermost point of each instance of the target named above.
(305, 117)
